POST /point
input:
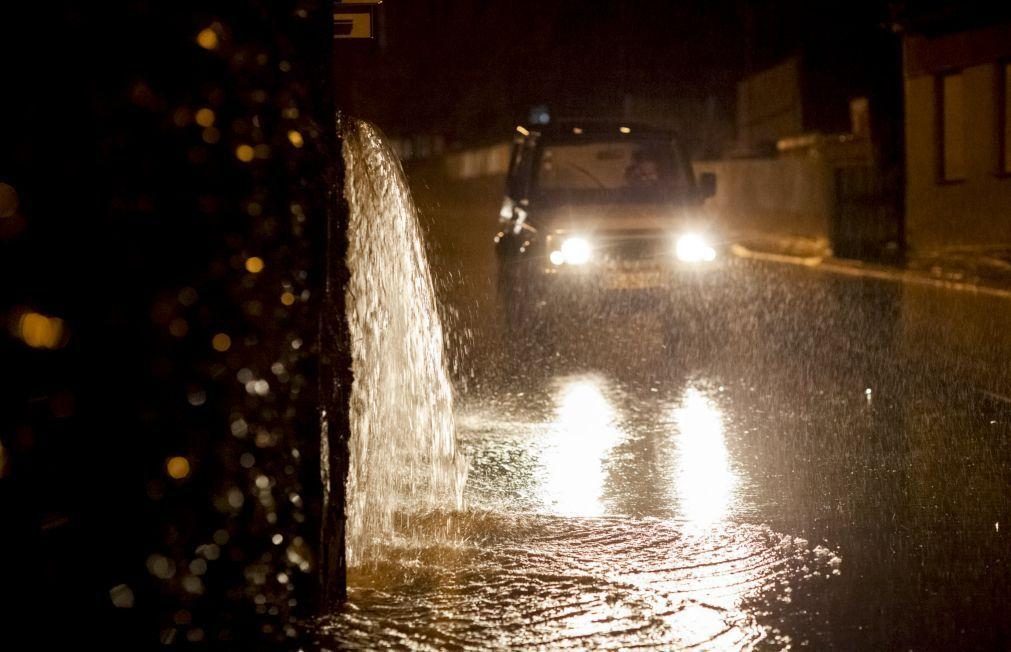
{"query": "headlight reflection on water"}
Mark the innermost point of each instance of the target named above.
(552, 558)
(582, 434)
(585, 430)
(704, 483)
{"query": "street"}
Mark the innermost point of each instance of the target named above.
(817, 461)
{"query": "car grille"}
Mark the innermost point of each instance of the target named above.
(638, 249)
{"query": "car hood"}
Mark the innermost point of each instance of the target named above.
(595, 218)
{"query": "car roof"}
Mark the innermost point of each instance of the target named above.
(576, 130)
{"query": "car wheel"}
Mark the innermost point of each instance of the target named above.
(517, 293)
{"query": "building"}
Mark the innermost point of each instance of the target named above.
(812, 152)
(957, 135)
(788, 100)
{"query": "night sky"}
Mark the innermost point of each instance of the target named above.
(471, 69)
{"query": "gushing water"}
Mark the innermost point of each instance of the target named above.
(404, 458)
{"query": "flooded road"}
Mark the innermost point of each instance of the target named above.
(808, 461)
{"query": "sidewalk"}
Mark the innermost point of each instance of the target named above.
(984, 270)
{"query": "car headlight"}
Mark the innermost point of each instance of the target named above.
(693, 248)
(574, 251)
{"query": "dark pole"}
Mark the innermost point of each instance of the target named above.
(335, 353)
(334, 336)
(335, 385)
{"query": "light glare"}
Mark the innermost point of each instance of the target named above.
(692, 248)
(576, 251)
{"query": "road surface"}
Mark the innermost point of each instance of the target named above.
(814, 461)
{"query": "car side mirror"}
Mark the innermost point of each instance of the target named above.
(707, 184)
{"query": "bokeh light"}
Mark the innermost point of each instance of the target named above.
(39, 331)
(205, 117)
(207, 38)
(9, 198)
(178, 468)
(254, 264)
(245, 153)
(211, 135)
(178, 327)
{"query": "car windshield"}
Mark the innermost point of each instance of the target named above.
(611, 171)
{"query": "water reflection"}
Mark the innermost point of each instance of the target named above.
(580, 437)
(588, 574)
(704, 484)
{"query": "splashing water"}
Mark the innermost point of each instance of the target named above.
(581, 530)
(403, 458)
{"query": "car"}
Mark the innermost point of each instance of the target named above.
(597, 207)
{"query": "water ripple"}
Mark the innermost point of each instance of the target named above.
(548, 582)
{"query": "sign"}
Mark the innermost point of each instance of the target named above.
(354, 20)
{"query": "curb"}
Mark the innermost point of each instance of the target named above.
(847, 267)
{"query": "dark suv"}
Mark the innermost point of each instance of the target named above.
(601, 206)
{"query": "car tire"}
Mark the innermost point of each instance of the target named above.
(518, 295)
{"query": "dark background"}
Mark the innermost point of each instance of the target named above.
(134, 227)
(472, 70)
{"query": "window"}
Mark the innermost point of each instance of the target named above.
(635, 169)
(951, 116)
(1004, 116)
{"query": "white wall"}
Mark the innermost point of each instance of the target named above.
(478, 162)
(789, 196)
(975, 211)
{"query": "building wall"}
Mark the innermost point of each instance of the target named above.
(975, 211)
(769, 105)
(478, 161)
(790, 196)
